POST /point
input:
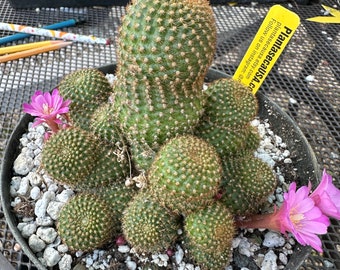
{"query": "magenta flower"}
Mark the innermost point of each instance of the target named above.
(327, 197)
(298, 215)
(47, 108)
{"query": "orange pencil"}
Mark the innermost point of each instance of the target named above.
(34, 51)
(27, 46)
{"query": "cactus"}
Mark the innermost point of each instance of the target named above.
(103, 126)
(230, 105)
(209, 234)
(247, 183)
(148, 226)
(88, 89)
(112, 166)
(228, 141)
(185, 174)
(164, 51)
(69, 156)
(74, 157)
(85, 222)
(117, 196)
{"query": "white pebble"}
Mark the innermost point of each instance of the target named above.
(48, 234)
(53, 209)
(51, 256)
(62, 248)
(28, 230)
(273, 239)
(269, 261)
(283, 258)
(41, 204)
(35, 193)
(179, 254)
(23, 164)
(65, 195)
(35, 243)
(123, 249)
(288, 161)
(131, 265)
(24, 186)
(66, 262)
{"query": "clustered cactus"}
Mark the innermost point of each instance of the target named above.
(192, 149)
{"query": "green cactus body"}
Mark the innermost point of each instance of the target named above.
(148, 226)
(164, 51)
(102, 125)
(113, 165)
(69, 156)
(247, 182)
(230, 104)
(142, 156)
(87, 89)
(209, 234)
(85, 223)
(118, 196)
(185, 174)
(228, 141)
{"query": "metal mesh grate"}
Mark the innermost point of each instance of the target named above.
(315, 106)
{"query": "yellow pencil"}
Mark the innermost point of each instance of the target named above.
(28, 46)
(34, 51)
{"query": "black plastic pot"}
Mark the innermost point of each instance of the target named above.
(281, 124)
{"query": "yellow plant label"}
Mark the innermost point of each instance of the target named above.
(272, 37)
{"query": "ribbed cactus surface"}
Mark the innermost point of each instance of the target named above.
(185, 174)
(164, 51)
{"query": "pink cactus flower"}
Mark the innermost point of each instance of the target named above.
(298, 215)
(47, 108)
(327, 197)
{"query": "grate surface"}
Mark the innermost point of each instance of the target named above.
(315, 105)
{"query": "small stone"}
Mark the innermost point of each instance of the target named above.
(124, 249)
(24, 186)
(66, 262)
(44, 221)
(35, 243)
(273, 239)
(283, 258)
(28, 230)
(244, 247)
(48, 234)
(54, 208)
(62, 248)
(269, 261)
(23, 164)
(65, 195)
(41, 204)
(35, 193)
(179, 254)
(131, 265)
(51, 256)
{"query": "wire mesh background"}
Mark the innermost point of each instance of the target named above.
(314, 105)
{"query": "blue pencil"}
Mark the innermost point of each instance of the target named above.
(55, 26)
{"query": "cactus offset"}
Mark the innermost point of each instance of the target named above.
(70, 155)
(85, 222)
(164, 51)
(185, 174)
(117, 195)
(74, 157)
(230, 105)
(209, 234)
(247, 182)
(148, 226)
(88, 89)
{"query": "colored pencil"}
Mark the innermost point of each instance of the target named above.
(28, 46)
(52, 33)
(34, 51)
(54, 26)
